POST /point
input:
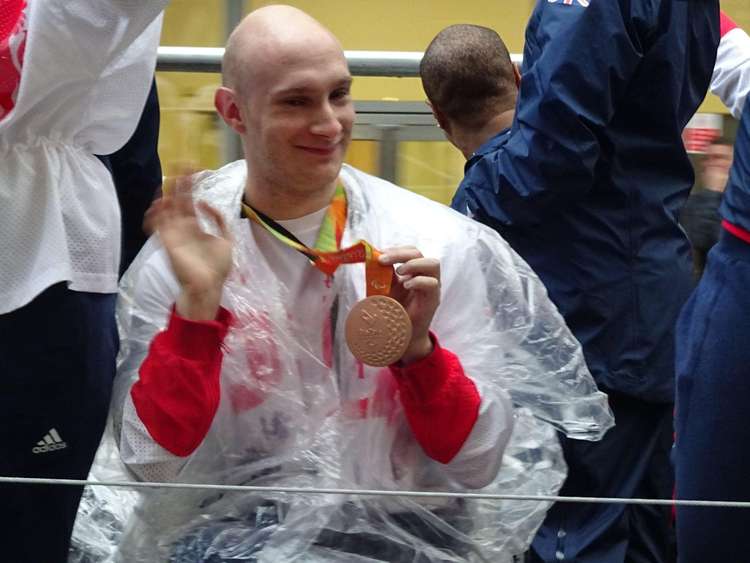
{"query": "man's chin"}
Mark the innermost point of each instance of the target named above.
(326, 172)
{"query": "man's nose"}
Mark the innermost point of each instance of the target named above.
(327, 123)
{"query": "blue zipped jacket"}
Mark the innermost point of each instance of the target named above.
(587, 184)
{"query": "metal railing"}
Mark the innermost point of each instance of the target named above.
(361, 63)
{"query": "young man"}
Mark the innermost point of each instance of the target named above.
(585, 185)
(74, 76)
(712, 358)
(252, 380)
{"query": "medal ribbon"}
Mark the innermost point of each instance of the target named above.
(327, 254)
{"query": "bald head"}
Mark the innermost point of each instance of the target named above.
(287, 93)
(269, 37)
(467, 74)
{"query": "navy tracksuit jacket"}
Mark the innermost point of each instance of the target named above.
(713, 384)
(586, 186)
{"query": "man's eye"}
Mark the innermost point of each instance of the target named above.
(295, 102)
(340, 94)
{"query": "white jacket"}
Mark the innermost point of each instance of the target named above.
(731, 77)
(86, 74)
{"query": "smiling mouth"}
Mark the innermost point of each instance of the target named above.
(320, 151)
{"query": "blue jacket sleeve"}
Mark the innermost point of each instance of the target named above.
(579, 61)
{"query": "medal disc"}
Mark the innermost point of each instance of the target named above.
(378, 331)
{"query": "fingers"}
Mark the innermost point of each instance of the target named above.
(182, 196)
(176, 201)
(415, 271)
(217, 218)
(399, 254)
(422, 283)
(420, 267)
(412, 266)
(164, 211)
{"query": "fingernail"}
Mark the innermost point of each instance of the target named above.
(383, 259)
(408, 284)
(400, 270)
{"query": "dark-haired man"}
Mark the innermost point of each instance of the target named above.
(585, 185)
(472, 86)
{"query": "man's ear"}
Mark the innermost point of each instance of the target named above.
(517, 75)
(439, 117)
(227, 106)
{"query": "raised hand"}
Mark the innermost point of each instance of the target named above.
(416, 285)
(200, 261)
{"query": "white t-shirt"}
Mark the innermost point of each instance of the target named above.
(305, 283)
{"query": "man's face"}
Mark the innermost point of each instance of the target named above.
(299, 120)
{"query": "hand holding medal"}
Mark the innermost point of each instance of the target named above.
(392, 323)
(417, 288)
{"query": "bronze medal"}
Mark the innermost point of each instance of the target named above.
(378, 331)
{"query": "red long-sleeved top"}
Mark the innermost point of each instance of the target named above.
(178, 391)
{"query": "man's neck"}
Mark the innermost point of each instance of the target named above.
(468, 140)
(283, 203)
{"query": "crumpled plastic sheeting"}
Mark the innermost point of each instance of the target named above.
(308, 429)
(104, 511)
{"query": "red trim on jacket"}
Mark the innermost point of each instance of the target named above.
(739, 232)
(178, 391)
(727, 24)
(441, 403)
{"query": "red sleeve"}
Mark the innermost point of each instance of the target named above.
(177, 393)
(726, 24)
(440, 401)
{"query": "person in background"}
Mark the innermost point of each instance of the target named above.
(713, 375)
(700, 215)
(74, 76)
(136, 170)
(586, 186)
(472, 87)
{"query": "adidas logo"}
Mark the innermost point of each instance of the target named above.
(49, 443)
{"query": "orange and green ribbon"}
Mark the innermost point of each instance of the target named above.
(327, 254)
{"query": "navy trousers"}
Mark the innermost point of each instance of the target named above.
(712, 455)
(57, 363)
(632, 460)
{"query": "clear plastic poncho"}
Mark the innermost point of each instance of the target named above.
(306, 426)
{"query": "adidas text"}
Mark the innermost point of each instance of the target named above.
(50, 443)
(46, 448)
